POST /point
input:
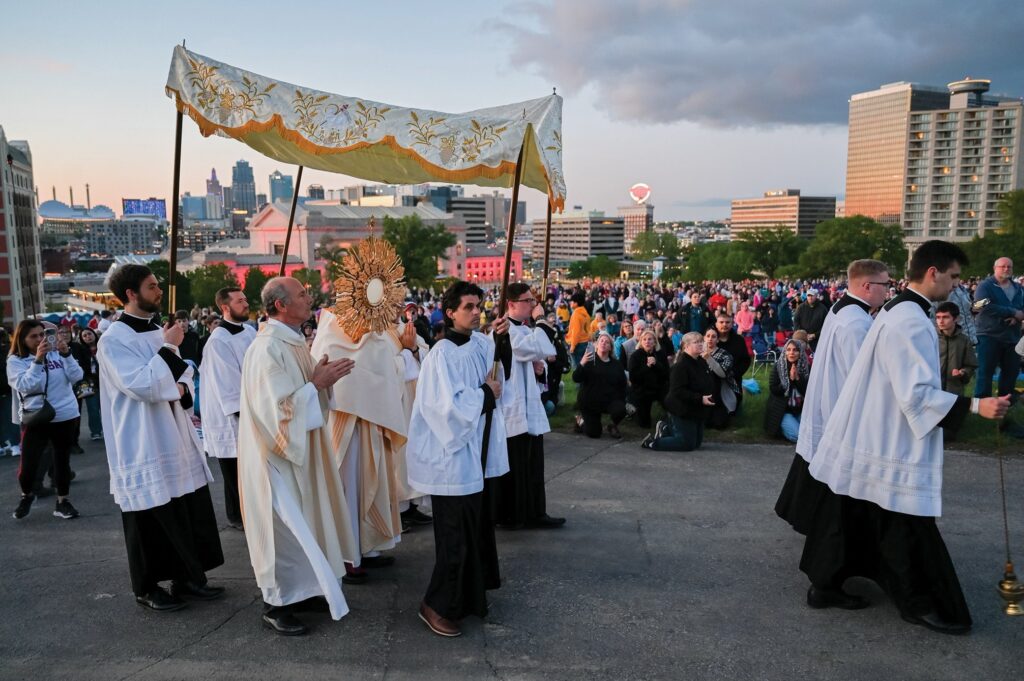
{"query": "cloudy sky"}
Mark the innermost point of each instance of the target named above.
(704, 101)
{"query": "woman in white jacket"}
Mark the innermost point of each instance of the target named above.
(38, 371)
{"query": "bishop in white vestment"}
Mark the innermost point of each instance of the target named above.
(220, 391)
(293, 502)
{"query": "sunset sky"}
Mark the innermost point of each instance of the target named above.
(703, 101)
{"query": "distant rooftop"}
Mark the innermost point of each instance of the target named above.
(60, 210)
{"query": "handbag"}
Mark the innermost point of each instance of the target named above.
(45, 413)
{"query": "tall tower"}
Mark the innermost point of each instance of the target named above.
(243, 188)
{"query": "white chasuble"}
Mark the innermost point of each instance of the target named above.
(368, 426)
(882, 443)
(842, 334)
(220, 386)
(293, 503)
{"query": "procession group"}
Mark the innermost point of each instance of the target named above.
(325, 448)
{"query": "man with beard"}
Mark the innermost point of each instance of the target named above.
(220, 390)
(158, 474)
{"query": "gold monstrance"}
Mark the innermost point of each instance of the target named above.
(371, 290)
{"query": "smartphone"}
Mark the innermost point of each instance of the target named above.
(590, 347)
(51, 337)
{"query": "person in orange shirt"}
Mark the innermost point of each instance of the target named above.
(578, 333)
(595, 325)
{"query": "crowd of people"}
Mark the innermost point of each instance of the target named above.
(323, 480)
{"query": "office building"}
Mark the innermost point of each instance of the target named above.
(21, 273)
(638, 218)
(193, 207)
(243, 188)
(471, 211)
(213, 184)
(782, 208)
(281, 187)
(315, 192)
(934, 160)
(578, 235)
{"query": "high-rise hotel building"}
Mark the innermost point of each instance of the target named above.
(935, 160)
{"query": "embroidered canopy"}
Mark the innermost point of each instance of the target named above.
(370, 140)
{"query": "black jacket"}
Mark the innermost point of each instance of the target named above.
(777, 405)
(689, 381)
(737, 347)
(600, 383)
(648, 382)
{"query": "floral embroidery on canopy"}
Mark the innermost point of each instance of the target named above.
(371, 140)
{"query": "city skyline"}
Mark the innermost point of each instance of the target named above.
(667, 100)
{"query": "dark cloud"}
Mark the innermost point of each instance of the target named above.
(750, 62)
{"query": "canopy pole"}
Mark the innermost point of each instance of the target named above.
(510, 233)
(172, 270)
(547, 256)
(291, 221)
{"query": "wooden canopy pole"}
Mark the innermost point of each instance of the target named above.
(547, 257)
(172, 269)
(510, 233)
(291, 221)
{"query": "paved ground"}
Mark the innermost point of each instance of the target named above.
(671, 566)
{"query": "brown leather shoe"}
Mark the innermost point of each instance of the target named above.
(437, 624)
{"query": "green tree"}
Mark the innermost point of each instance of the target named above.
(1011, 209)
(717, 260)
(646, 246)
(839, 241)
(209, 279)
(769, 249)
(650, 245)
(419, 247)
(598, 266)
(314, 282)
(255, 280)
(160, 269)
(331, 253)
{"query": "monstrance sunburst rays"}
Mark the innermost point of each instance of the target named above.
(371, 289)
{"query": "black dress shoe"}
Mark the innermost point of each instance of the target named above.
(819, 597)
(377, 561)
(202, 592)
(354, 576)
(546, 522)
(284, 623)
(933, 621)
(236, 525)
(159, 600)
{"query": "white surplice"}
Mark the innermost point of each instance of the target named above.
(882, 442)
(220, 387)
(520, 398)
(447, 425)
(153, 449)
(842, 334)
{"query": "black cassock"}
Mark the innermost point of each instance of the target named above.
(465, 550)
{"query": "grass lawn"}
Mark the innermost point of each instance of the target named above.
(977, 434)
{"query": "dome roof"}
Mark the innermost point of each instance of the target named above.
(60, 210)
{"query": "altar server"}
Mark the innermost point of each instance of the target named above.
(842, 334)
(158, 474)
(296, 518)
(881, 454)
(220, 391)
(521, 499)
(456, 439)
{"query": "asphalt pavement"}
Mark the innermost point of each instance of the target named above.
(671, 566)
